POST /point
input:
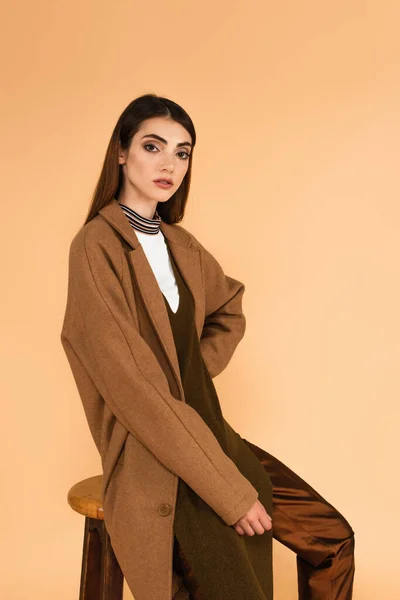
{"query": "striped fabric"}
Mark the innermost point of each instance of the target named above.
(140, 223)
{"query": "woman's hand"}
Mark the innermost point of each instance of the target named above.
(256, 520)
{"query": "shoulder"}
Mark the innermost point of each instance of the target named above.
(210, 265)
(184, 235)
(96, 241)
(195, 243)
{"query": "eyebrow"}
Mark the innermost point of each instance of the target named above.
(154, 135)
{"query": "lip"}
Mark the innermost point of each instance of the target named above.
(164, 186)
(163, 179)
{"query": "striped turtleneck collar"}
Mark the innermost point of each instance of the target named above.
(140, 223)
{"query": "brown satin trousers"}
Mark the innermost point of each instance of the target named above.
(306, 523)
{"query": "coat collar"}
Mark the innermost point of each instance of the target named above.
(113, 213)
(187, 258)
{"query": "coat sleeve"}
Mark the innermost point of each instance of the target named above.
(224, 324)
(99, 329)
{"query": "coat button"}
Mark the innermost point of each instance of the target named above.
(164, 509)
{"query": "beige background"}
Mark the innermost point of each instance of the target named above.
(295, 191)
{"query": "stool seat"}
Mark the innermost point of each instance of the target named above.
(101, 575)
(85, 497)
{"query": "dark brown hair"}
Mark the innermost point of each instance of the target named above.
(110, 180)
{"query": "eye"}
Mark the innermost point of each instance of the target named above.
(153, 146)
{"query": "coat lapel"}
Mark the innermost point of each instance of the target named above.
(187, 258)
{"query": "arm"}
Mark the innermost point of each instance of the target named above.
(225, 323)
(99, 329)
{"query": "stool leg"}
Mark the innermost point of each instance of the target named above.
(91, 562)
(112, 577)
(101, 575)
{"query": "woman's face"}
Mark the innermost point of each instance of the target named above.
(150, 158)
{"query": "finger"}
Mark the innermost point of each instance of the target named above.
(239, 529)
(247, 528)
(266, 521)
(265, 512)
(258, 527)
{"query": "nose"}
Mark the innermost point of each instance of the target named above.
(167, 166)
(167, 162)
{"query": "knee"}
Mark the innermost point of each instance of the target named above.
(342, 548)
(347, 531)
(346, 538)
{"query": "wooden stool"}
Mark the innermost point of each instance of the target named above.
(101, 575)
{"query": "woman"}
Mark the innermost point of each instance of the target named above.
(150, 319)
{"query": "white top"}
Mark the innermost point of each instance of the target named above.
(155, 248)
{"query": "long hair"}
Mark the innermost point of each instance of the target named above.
(110, 180)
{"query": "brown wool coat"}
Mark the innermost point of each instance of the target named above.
(119, 344)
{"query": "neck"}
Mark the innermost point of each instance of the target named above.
(140, 223)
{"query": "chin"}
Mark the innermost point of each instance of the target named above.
(165, 199)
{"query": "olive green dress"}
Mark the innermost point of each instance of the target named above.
(216, 562)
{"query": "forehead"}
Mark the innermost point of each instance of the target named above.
(166, 128)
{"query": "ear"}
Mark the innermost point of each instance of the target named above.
(121, 155)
